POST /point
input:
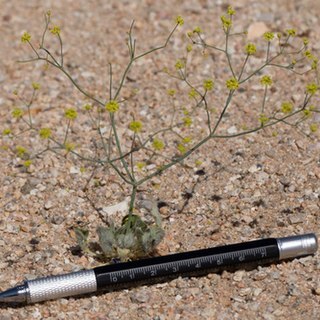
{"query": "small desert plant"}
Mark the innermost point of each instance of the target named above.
(128, 154)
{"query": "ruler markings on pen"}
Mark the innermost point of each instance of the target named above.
(186, 265)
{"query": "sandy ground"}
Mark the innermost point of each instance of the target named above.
(265, 184)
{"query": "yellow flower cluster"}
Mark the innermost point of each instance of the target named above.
(313, 127)
(189, 47)
(179, 65)
(6, 132)
(266, 80)
(231, 11)
(232, 84)
(112, 106)
(182, 148)
(157, 144)
(251, 49)
(308, 112)
(87, 107)
(135, 126)
(291, 32)
(20, 151)
(69, 146)
(27, 163)
(17, 113)
(35, 85)
(268, 36)
(312, 88)
(26, 37)
(308, 54)
(263, 119)
(140, 165)
(55, 30)
(45, 133)
(226, 22)
(179, 21)
(197, 30)
(187, 121)
(171, 92)
(208, 84)
(193, 93)
(71, 114)
(286, 107)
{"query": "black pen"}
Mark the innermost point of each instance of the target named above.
(205, 260)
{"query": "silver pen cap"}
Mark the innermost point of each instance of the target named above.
(297, 246)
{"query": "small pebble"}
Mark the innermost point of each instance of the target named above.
(141, 296)
(238, 275)
(48, 205)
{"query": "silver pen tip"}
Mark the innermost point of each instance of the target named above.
(14, 295)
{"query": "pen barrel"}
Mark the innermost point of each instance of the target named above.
(188, 263)
(60, 286)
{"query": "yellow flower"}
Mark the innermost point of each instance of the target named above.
(45, 133)
(27, 163)
(263, 119)
(266, 80)
(171, 92)
(140, 165)
(226, 23)
(35, 85)
(135, 126)
(286, 107)
(20, 151)
(157, 144)
(308, 54)
(185, 111)
(112, 106)
(187, 121)
(268, 36)
(181, 148)
(307, 112)
(179, 65)
(208, 84)
(6, 132)
(313, 127)
(312, 88)
(186, 140)
(197, 30)
(251, 49)
(179, 21)
(87, 107)
(26, 37)
(232, 84)
(291, 32)
(189, 47)
(193, 93)
(231, 11)
(71, 113)
(314, 64)
(55, 30)
(69, 146)
(17, 113)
